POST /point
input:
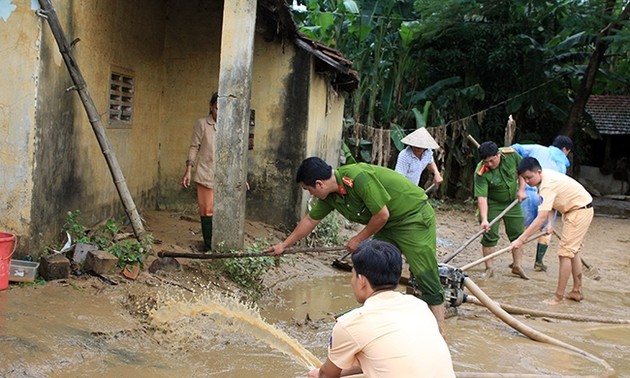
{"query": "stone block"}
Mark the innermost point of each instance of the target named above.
(54, 267)
(100, 262)
(81, 251)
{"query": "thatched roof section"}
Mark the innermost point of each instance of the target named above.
(278, 22)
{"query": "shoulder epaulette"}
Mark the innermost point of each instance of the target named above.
(507, 150)
(482, 170)
(347, 181)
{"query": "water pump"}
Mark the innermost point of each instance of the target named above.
(452, 280)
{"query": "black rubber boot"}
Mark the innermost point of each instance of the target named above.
(541, 249)
(206, 230)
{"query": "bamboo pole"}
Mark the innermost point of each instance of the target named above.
(48, 12)
(208, 256)
(515, 310)
(480, 232)
(497, 253)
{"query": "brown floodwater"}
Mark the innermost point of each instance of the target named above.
(55, 331)
(71, 331)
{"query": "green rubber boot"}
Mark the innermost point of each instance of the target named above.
(206, 230)
(541, 249)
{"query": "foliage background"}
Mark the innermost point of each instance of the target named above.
(429, 63)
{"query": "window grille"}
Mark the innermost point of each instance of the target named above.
(121, 91)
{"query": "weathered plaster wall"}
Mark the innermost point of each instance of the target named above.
(325, 121)
(600, 184)
(127, 35)
(325, 124)
(19, 41)
(50, 159)
(191, 55)
(280, 95)
(71, 172)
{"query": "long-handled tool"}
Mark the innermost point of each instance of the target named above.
(480, 232)
(207, 256)
(497, 253)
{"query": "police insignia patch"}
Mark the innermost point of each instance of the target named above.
(347, 181)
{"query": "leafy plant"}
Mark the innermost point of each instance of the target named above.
(77, 231)
(247, 272)
(326, 234)
(130, 252)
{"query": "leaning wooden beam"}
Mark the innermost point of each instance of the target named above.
(48, 12)
(207, 256)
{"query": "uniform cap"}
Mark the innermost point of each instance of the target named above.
(421, 138)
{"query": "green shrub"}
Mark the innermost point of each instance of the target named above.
(247, 272)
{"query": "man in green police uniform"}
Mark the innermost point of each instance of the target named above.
(496, 186)
(392, 209)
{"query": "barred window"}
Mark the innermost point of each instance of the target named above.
(121, 90)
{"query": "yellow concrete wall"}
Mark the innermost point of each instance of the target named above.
(325, 125)
(325, 121)
(128, 35)
(50, 160)
(19, 38)
(71, 172)
(280, 94)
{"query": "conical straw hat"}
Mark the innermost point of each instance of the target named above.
(421, 138)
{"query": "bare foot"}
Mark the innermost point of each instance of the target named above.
(519, 272)
(554, 301)
(574, 296)
(488, 273)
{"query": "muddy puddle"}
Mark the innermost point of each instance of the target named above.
(67, 330)
(54, 331)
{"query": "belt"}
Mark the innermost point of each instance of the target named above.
(581, 207)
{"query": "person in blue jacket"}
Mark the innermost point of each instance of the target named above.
(553, 157)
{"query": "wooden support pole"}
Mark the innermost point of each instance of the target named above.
(48, 12)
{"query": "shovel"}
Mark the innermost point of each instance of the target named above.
(339, 264)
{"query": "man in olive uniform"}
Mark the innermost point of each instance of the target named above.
(496, 186)
(392, 208)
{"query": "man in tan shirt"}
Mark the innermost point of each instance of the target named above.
(562, 193)
(392, 334)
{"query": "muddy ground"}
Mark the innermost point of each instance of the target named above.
(605, 289)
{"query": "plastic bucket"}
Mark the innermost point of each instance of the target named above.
(8, 242)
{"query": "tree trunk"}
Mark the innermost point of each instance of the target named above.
(586, 86)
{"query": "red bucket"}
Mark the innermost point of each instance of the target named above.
(8, 242)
